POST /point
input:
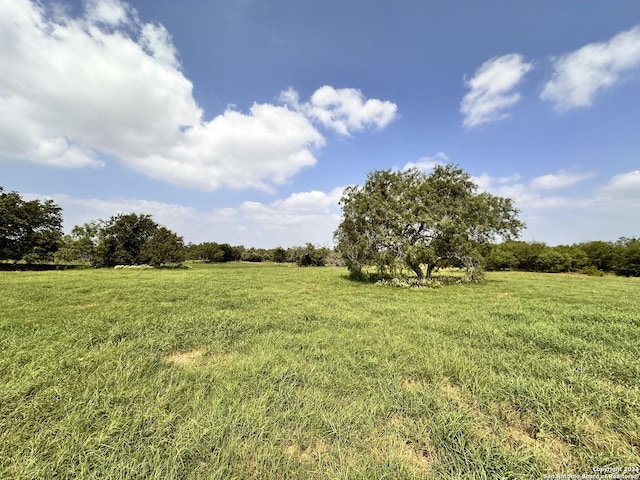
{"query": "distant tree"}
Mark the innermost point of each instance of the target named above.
(214, 252)
(628, 258)
(121, 239)
(253, 255)
(601, 255)
(334, 259)
(552, 260)
(527, 253)
(578, 257)
(228, 253)
(162, 248)
(237, 252)
(80, 245)
(501, 257)
(312, 256)
(412, 219)
(206, 252)
(30, 230)
(294, 254)
(279, 255)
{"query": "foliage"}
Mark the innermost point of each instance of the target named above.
(591, 258)
(125, 239)
(628, 259)
(255, 255)
(313, 256)
(411, 219)
(121, 240)
(209, 252)
(212, 252)
(279, 255)
(163, 247)
(29, 230)
(601, 255)
(80, 245)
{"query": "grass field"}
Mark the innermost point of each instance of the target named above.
(265, 371)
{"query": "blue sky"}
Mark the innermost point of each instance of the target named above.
(241, 121)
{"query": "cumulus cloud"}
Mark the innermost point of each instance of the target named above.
(558, 180)
(312, 215)
(108, 12)
(78, 90)
(491, 90)
(532, 195)
(604, 212)
(579, 75)
(345, 110)
(299, 218)
(427, 163)
(622, 192)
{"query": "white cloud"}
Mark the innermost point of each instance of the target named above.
(426, 164)
(108, 12)
(558, 180)
(605, 212)
(579, 75)
(76, 91)
(269, 145)
(492, 89)
(301, 217)
(528, 196)
(622, 193)
(345, 110)
(625, 182)
(307, 217)
(157, 41)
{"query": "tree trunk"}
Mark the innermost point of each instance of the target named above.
(416, 268)
(430, 268)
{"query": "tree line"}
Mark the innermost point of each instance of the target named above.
(304, 256)
(31, 232)
(621, 257)
(411, 219)
(134, 239)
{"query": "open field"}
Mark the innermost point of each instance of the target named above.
(265, 371)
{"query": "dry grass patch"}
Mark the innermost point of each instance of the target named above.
(398, 442)
(420, 459)
(553, 451)
(182, 359)
(453, 392)
(411, 385)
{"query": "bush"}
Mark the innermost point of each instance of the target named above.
(591, 271)
(313, 257)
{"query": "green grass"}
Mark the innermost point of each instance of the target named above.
(264, 371)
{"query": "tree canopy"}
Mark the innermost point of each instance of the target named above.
(414, 219)
(30, 230)
(124, 239)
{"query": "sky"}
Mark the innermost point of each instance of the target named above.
(242, 121)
